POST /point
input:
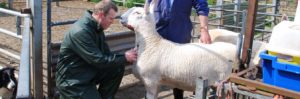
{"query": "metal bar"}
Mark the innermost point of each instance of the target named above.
(241, 35)
(275, 9)
(230, 26)
(63, 22)
(201, 88)
(260, 17)
(11, 12)
(23, 91)
(119, 35)
(18, 25)
(10, 33)
(219, 13)
(270, 14)
(50, 86)
(216, 6)
(261, 30)
(9, 54)
(237, 17)
(235, 89)
(36, 8)
(264, 87)
(194, 27)
(228, 15)
(212, 19)
(266, 6)
(260, 13)
(214, 9)
(248, 40)
(256, 26)
(10, 4)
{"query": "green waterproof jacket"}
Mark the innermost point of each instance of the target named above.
(83, 54)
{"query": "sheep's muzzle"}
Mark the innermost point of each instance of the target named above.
(124, 19)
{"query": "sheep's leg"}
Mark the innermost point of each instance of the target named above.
(151, 88)
(220, 84)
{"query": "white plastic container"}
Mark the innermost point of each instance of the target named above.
(285, 39)
(297, 14)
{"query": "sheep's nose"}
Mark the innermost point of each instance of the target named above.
(123, 20)
(124, 17)
(118, 17)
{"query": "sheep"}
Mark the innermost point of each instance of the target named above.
(222, 35)
(162, 62)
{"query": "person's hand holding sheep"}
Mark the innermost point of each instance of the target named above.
(131, 55)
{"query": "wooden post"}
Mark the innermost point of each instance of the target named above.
(250, 29)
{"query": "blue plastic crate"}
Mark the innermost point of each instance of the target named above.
(280, 74)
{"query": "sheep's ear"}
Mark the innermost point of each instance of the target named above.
(146, 6)
(284, 17)
(152, 5)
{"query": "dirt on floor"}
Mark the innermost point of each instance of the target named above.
(131, 87)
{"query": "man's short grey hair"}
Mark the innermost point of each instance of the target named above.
(105, 6)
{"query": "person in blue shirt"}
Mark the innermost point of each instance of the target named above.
(173, 23)
(173, 19)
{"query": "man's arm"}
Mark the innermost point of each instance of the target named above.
(82, 44)
(202, 11)
(205, 37)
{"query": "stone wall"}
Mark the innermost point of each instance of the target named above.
(288, 7)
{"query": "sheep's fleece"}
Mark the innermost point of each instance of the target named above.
(222, 35)
(162, 62)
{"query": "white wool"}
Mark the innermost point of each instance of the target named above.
(177, 65)
(222, 35)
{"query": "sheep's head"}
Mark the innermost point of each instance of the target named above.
(137, 17)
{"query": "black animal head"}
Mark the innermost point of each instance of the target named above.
(8, 79)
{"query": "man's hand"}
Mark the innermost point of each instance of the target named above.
(205, 38)
(131, 55)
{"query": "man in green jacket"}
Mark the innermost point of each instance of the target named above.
(85, 60)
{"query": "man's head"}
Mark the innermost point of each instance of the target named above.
(105, 12)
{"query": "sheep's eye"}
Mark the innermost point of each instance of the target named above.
(137, 13)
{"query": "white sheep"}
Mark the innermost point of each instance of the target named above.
(222, 35)
(162, 62)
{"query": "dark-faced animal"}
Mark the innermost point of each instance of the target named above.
(8, 83)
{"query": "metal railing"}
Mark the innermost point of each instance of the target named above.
(23, 91)
(235, 14)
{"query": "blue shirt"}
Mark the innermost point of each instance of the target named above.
(173, 19)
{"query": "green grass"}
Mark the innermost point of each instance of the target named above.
(3, 5)
(211, 2)
(95, 1)
(132, 3)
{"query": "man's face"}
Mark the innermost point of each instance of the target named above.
(108, 19)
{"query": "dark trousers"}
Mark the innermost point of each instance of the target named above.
(108, 80)
(178, 93)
